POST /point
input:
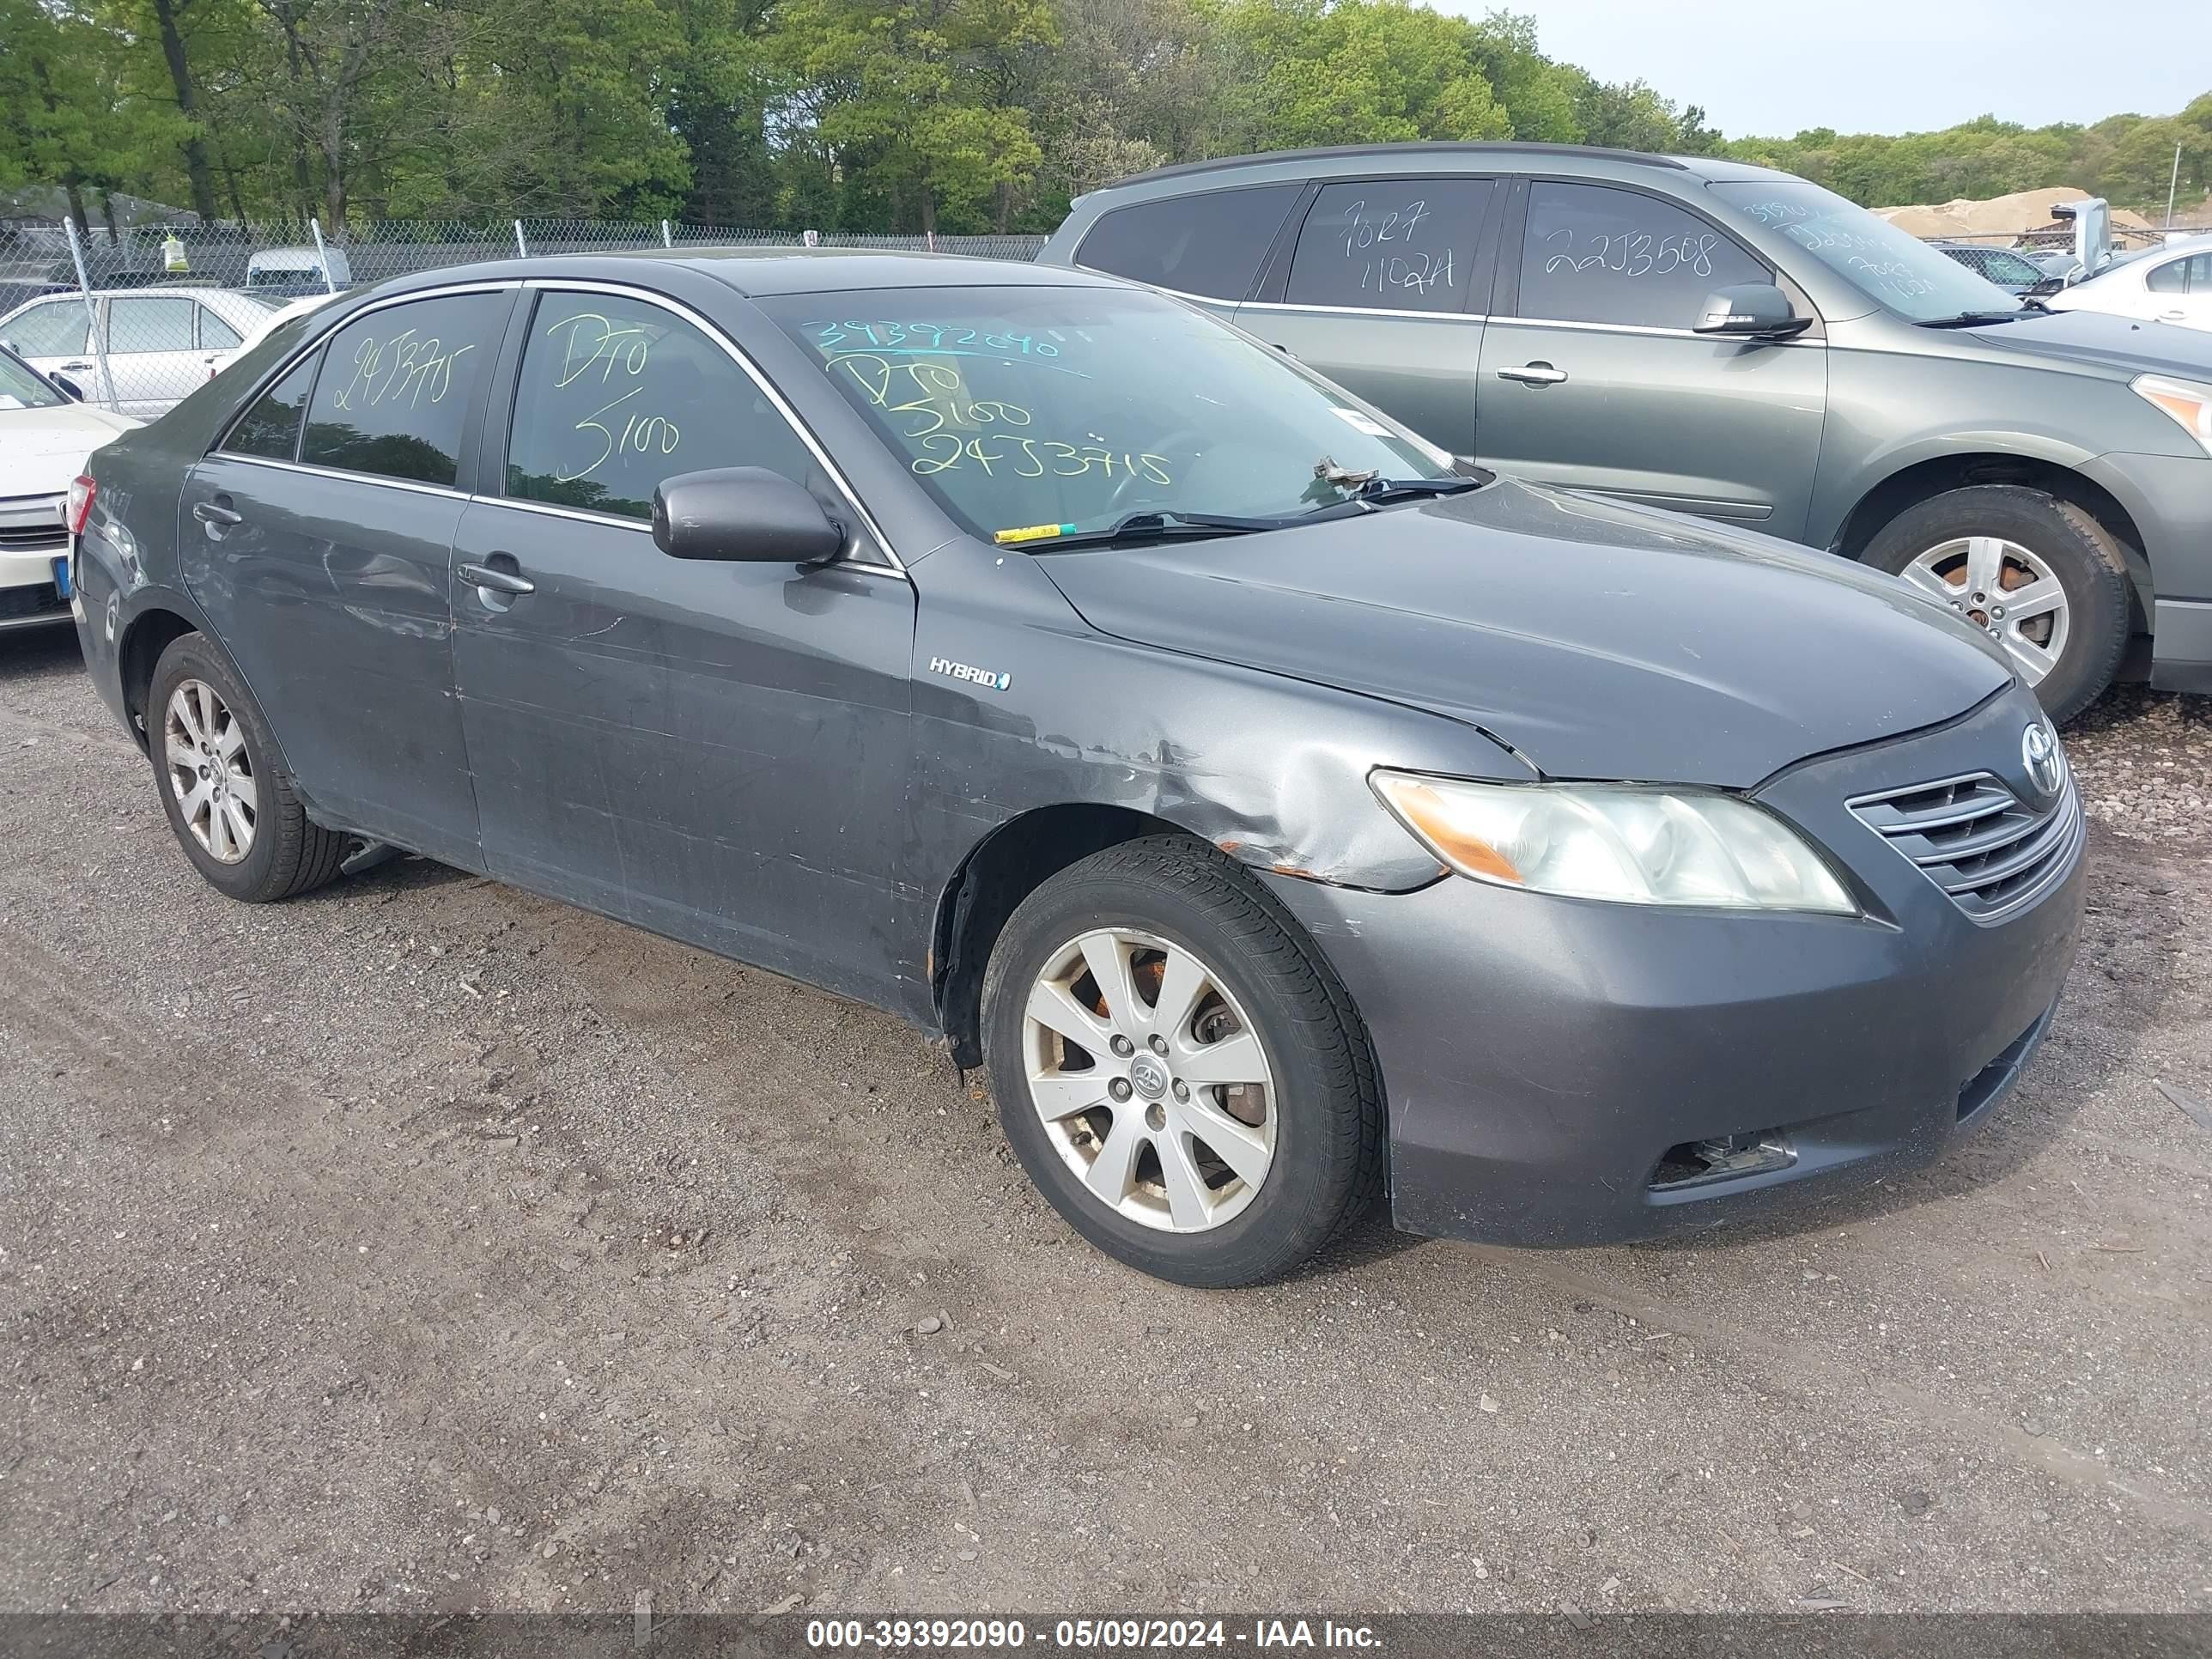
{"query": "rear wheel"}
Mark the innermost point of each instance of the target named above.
(2040, 575)
(230, 804)
(1178, 1070)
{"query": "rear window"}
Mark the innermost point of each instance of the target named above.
(1209, 243)
(270, 429)
(394, 394)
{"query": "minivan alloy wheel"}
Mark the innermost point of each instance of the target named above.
(205, 760)
(2005, 588)
(1150, 1081)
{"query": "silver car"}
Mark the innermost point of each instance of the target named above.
(160, 343)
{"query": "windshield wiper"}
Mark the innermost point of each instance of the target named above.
(1155, 525)
(1975, 318)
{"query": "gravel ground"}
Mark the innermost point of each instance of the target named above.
(424, 1244)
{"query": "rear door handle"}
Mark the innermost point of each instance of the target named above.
(223, 517)
(2173, 316)
(1539, 373)
(493, 580)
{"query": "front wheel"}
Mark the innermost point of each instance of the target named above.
(2040, 575)
(1178, 1069)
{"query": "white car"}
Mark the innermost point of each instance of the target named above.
(163, 343)
(45, 437)
(2171, 284)
(284, 314)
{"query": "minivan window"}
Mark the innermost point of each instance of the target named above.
(1033, 412)
(1211, 243)
(395, 387)
(616, 394)
(1920, 283)
(270, 429)
(1390, 245)
(1596, 255)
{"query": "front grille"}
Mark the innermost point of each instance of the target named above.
(1978, 841)
(34, 538)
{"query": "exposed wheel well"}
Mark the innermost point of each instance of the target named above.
(1929, 479)
(149, 636)
(1003, 869)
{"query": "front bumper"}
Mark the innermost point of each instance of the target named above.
(1542, 1056)
(2170, 498)
(30, 540)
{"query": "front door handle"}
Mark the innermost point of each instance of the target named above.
(2173, 316)
(1536, 374)
(490, 578)
(221, 517)
(75, 368)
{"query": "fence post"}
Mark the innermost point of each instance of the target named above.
(91, 315)
(521, 247)
(667, 240)
(322, 254)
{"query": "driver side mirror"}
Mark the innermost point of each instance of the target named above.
(1757, 311)
(68, 387)
(742, 513)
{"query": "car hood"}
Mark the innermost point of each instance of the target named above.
(1599, 641)
(2099, 337)
(41, 450)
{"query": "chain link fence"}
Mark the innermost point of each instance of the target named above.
(135, 318)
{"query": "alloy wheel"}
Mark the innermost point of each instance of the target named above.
(1150, 1081)
(209, 771)
(2005, 588)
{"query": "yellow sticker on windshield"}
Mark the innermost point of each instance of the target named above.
(1034, 532)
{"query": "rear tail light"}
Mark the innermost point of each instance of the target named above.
(81, 489)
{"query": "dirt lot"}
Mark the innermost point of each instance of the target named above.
(423, 1244)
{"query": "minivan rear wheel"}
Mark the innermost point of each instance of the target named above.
(2041, 576)
(1178, 1069)
(227, 797)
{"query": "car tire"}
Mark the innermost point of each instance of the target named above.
(1928, 544)
(1283, 1162)
(229, 799)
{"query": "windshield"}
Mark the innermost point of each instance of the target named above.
(1031, 413)
(21, 389)
(1920, 283)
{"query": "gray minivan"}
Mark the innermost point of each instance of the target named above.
(1734, 341)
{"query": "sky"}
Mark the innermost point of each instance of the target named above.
(1772, 68)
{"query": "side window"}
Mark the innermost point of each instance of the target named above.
(1596, 255)
(1211, 243)
(2172, 277)
(271, 428)
(149, 324)
(616, 394)
(397, 385)
(1390, 244)
(54, 329)
(216, 335)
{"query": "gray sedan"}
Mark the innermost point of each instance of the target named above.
(1280, 809)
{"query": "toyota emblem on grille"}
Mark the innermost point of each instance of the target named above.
(2038, 753)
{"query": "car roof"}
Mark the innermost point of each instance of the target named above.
(1472, 156)
(760, 273)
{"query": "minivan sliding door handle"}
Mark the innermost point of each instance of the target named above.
(1538, 373)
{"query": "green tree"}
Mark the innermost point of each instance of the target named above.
(909, 92)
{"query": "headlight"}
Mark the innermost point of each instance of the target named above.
(2188, 401)
(1625, 843)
